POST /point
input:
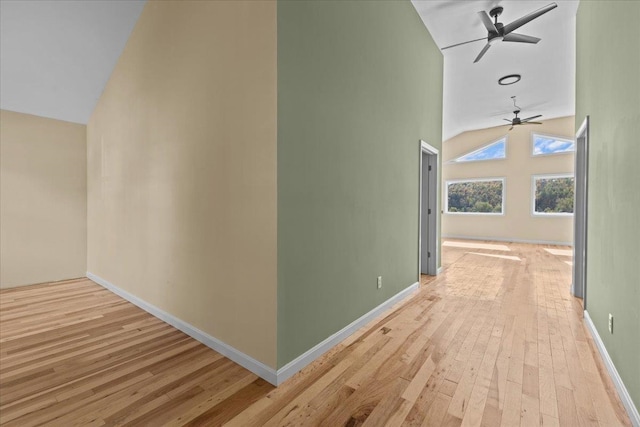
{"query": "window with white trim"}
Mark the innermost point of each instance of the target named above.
(544, 145)
(483, 196)
(493, 151)
(552, 194)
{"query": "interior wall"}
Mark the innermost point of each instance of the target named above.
(359, 84)
(517, 223)
(43, 200)
(182, 169)
(608, 91)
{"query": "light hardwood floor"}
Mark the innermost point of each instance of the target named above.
(495, 340)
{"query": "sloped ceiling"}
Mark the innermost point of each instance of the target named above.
(56, 56)
(472, 97)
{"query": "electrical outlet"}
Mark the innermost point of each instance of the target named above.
(379, 282)
(610, 323)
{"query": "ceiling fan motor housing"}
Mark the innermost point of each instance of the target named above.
(516, 119)
(492, 36)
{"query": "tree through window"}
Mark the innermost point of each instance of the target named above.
(484, 196)
(553, 195)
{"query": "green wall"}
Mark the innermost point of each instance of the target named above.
(359, 84)
(608, 90)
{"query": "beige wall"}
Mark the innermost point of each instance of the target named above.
(43, 200)
(517, 223)
(182, 169)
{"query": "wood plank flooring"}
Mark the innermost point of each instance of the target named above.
(496, 340)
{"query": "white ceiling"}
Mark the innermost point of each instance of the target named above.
(472, 97)
(56, 56)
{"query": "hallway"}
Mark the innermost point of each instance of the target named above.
(494, 340)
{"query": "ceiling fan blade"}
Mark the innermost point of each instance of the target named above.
(531, 118)
(531, 123)
(521, 38)
(491, 28)
(511, 128)
(482, 52)
(528, 18)
(507, 120)
(458, 44)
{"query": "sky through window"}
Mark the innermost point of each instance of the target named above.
(550, 145)
(495, 150)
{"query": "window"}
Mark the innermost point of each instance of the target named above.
(553, 194)
(475, 196)
(545, 145)
(495, 150)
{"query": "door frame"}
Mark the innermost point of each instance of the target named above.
(579, 271)
(433, 204)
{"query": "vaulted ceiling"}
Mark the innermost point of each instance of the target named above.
(56, 56)
(473, 99)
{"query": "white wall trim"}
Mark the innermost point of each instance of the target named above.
(504, 239)
(613, 373)
(425, 146)
(267, 373)
(312, 354)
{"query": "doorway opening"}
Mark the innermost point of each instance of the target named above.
(429, 235)
(579, 284)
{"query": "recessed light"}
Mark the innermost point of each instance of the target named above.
(509, 80)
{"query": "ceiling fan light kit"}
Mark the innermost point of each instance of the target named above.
(497, 32)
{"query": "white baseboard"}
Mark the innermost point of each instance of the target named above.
(312, 354)
(439, 270)
(258, 368)
(504, 239)
(613, 373)
(265, 372)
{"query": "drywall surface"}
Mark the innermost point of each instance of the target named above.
(182, 169)
(518, 222)
(359, 84)
(43, 199)
(608, 91)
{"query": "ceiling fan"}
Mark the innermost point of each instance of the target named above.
(499, 32)
(517, 121)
